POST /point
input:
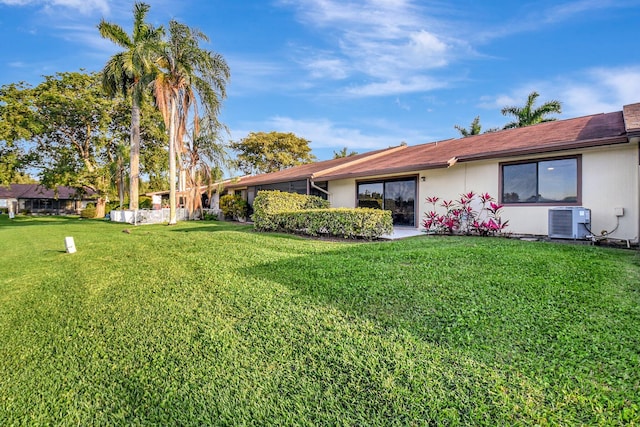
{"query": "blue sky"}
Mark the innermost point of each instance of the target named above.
(363, 74)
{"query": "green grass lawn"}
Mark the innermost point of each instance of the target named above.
(211, 323)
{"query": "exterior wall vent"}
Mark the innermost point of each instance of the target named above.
(571, 222)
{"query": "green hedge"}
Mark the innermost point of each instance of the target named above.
(88, 212)
(269, 204)
(278, 211)
(350, 223)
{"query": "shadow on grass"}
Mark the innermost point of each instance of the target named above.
(224, 226)
(209, 227)
(523, 306)
(369, 285)
(26, 221)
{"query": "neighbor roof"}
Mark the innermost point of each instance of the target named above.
(36, 191)
(309, 170)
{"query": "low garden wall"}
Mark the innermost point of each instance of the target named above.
(146, 216)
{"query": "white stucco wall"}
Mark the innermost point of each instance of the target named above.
(609, 181)
(343, 193)
(610, 177)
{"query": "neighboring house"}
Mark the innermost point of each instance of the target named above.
(36, 199)
(590, 161)
(207, 203)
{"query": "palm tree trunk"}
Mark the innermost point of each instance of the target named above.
(172, 164)
(134, 178)
(100, 207)
(120, 184)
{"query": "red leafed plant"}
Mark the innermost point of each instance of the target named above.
(470, 214)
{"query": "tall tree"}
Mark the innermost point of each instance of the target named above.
(130, 72)
(474, 129)
(528, 115)
(188, 74)
(262, 152)
(201, 153)
(73, 116)
(344, 152)
(17, 125)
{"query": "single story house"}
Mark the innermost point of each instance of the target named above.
(591, 162)
(36, 199)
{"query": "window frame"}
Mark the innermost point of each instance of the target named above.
(383, 181)
(576, 157)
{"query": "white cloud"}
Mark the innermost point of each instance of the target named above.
(528, 19)
(591, 91)
(410, 85)
(332, 68)
(394, 44)
(325, 134)
(84, 7)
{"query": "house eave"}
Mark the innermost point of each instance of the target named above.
(563, 146)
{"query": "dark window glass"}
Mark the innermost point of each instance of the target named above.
(558, 181)
(548, 181)
(370, 195)
(397, 196)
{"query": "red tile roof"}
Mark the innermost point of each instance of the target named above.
(36, 191)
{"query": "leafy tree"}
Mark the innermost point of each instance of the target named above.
(17, 125)
(343, 153)
(474, 129)
(73, 116)
(129, 73)
(188, 74)
(261, 152)
(24, 178)
(528, 115)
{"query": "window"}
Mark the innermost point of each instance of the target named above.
(397, 196)
(553, 181)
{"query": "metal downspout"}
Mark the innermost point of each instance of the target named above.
(313, 185)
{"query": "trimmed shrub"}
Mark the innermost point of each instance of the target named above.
(268, 204)
(88, 212)
(365, 223)
(298, 213)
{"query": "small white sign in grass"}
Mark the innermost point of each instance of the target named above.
(70, 244)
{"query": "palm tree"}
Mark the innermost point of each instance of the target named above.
(201, 151)
(188, 74)
(527, 115)
(474, 129)
(130, 72)
(343, 153)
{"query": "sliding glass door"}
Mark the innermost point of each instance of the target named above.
(397, 196)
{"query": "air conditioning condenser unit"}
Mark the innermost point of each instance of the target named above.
(571, 222)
